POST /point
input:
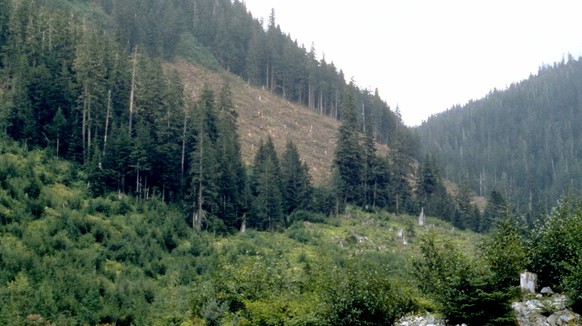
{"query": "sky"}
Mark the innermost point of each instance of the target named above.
(425, 56)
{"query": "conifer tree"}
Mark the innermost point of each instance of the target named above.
(232, 178)
(467, 215)
(348, 154)
(495, 211)
(371, 170)
(168, 132)
(90, 71)
(297, 190)
(5, 10)
(204, 165)
(401, 168)
(57, 130)
(431, 192)
(267, 213)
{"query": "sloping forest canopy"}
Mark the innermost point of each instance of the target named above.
(85, 80)
(523, 141)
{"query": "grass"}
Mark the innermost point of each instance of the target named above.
(373, 235)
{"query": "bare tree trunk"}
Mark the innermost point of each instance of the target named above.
(132, 91)
(336, 103)
(84, 123)
(106, 122)
(267, 77)
(310, 100)
(200, 174)
(184, 143)
(89, 129)
(273, 83)
(137, 182)
(320, 102)
(363, 118)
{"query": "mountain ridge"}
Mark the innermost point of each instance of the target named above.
(521, 141)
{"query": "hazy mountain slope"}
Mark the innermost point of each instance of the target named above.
(523, 141)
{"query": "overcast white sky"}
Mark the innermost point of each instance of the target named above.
(426, 56)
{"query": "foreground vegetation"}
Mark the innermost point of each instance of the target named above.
(71, 258)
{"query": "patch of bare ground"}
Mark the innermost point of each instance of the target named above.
(453, 189)
(262, 113)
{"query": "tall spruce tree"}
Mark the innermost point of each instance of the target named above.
(168, 128)
(371, 171)
(431, 192)
(5, 10)
(204, 165)
(297, 190)
(495, 211)
(267, 212)
(90, 70)
(402, 200)
(232, 178)
(348, 159)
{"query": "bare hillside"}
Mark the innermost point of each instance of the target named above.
(262, 113)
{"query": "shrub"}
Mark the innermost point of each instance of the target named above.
(573, 285)
(505, 254)
(463, 289)
(300, 215)
(298, 232)
(361, 294)
(556, 243)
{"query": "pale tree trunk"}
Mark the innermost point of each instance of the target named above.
(84, 124)
(321, 102)
(106, 122)
(184, 129)
(336, 103)
(363, 118)
(200, 211)
(89, 129)
(132, 91)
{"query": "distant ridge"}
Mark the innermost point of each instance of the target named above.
(524, 141)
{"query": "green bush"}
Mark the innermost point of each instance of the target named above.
(361, 294)
(300, 233)
(573, 285)
(464, 290)
(300, 215)
(556, 243)
(505, 254)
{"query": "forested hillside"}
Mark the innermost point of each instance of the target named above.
(147, 179)
(524, 142)
(224, 34)
(83, 80)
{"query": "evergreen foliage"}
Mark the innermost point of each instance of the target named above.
(232, 181)
(348, 155)
(465, 291)
(556, 245)
(431, 192)
(267, 188)
(523, 140)
(296, 183)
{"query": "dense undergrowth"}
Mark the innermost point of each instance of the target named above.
(67, 257)
(70, 258)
